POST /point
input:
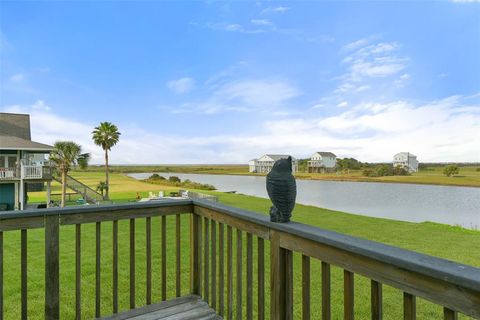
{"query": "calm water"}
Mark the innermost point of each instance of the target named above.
(407, 202)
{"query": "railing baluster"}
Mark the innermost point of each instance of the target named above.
(305, 287)
(239, 274)
(200, 255)
(261, 278)
(52, 270)
(132, 263)
(78, 271)
(288, 283)
(221, 270)
(195, 240)
(178, 289)
(148, 240)
(326, 292)
(97, 268)
(281, 279)
(1, 275)
(376, 292)
(115, 266)
(214, 265)
(24, 272)
(249, 276)
(229, 272)
(449, 314)
(348, 295)
(409, 306)
(164, 258)
(206, 258)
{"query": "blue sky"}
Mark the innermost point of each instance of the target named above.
(224, 82)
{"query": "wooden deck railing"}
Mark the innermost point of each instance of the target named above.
(232, 253)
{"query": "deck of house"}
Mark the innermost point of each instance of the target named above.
(212, 261)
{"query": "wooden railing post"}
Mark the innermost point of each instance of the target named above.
(52, 279)
(281, 280)
(195, 233)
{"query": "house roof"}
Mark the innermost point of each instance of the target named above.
(13, 124)
(326, 154)
(16, 143)
(276, 157)
(406, 154)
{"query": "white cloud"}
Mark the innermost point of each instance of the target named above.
(243, 96)
(278, 9)
(261, 22)
(40, 105)
(342, 104)
(182, 85)
(19, 77)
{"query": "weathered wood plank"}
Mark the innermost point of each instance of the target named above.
(132, 263)
(348, 295)
(326, 292)
(258, 230)
(409, 307)
(230, 272)
(261, 278)
(449, 314)
(24, 276)
(52, 271)
(249, 276)
(148, 253)
(439, 291)
(22, 223)
(239, 274)
(305, 287)
(195, 233)
(206, 259)
(89, 217)
(98, 285)
(288, 272)
(221, 270)
(164, 258)
(78, 271)
(213, 302)
(376, 300)
(178, 237)
(115, 266)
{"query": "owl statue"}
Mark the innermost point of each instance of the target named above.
(282, 190)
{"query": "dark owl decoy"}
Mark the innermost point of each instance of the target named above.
(282, 190)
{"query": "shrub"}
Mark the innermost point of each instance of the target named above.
(174, 179)
(156, 176)
(399, 171)
(384, 170)
(369, 173)
(450, 170)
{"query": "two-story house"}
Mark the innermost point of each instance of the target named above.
(23, 162)
(322, 162)
(265, 163)
(406, 160)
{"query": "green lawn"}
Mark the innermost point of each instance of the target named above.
(439, 240)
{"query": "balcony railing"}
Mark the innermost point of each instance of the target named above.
(8, 173)
(26, 172)
(222, 250)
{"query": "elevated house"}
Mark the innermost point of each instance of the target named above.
(322, 162)
(23, 162)
(265, 163)
(406, 160)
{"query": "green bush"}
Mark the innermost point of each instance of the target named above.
(451, 170)
(174, 179)
(369, 173)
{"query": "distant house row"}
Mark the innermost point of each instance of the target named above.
(320, 162)
(325, 162)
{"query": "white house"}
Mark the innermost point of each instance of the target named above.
(406, 160)
(321, 162)
(265, 163)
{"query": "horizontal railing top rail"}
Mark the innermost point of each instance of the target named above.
(442, 269)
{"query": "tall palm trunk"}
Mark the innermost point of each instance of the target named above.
(64, 187)
(106, 175)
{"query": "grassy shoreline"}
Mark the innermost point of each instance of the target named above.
(439, 240)
(468, 176)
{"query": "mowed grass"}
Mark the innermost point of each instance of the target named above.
(434, 239)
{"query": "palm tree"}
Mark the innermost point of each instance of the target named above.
(106, 135)
(65, 155)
